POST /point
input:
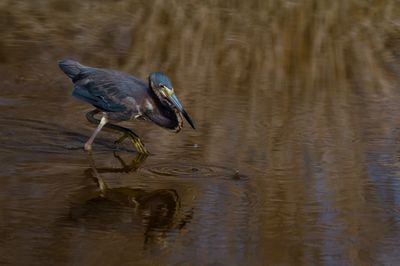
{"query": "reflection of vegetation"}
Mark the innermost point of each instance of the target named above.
(297, 82)
(282, 57)
(298, 66)
(306, 44)
(157, 210)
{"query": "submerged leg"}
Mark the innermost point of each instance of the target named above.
(127, 134)
(139, 159)
(134, 138)
(88, 144)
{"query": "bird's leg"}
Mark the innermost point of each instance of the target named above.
(103, 122)
(139, 159)
(122, 138)
(136, 141)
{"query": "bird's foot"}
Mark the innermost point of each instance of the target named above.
(138, 144)
(136, 141)
(88, 147)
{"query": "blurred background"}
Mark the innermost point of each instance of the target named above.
(295, 157)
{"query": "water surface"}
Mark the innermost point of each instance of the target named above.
(295, 160)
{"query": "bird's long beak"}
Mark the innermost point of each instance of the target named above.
(174, 100)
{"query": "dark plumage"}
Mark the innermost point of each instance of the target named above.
(122, 97)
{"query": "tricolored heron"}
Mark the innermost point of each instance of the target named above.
(121, 97)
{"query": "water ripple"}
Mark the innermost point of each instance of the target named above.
(193, 171)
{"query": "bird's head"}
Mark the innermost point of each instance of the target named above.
(162, 87)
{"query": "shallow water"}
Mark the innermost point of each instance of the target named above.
(295, 160)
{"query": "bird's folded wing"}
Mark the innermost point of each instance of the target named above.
(103, 95)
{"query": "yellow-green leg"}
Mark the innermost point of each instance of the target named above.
(133, 137)
(135, 140)
(139, 159)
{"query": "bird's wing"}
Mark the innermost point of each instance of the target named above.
(105, 89)
(103, 102)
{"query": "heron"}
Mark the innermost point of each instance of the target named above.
(119, 96)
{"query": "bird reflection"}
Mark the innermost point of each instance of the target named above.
(123, 208)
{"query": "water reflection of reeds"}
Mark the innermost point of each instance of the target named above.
(306, 92)
(261, 45)
(278, 55)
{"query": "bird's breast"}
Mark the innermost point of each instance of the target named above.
(148, 105)
(139, 109)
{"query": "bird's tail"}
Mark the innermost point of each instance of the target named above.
(70, 67)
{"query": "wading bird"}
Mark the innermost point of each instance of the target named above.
(120, 97)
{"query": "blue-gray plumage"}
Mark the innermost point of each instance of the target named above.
(121, 97)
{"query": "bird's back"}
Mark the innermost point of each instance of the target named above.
(107, 90)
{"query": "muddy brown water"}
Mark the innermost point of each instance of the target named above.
(295, 160)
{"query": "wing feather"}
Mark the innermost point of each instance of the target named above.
(106, 89)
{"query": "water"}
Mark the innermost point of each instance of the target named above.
(295, 160)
